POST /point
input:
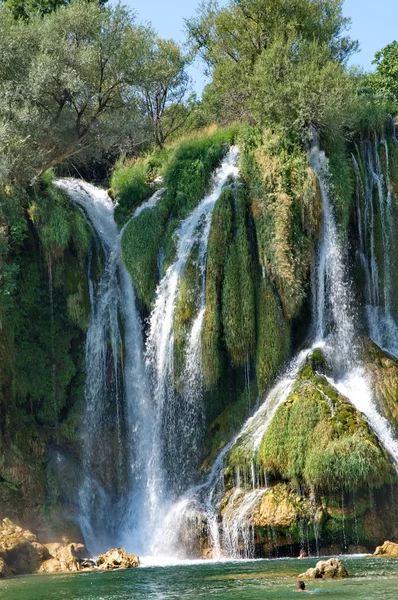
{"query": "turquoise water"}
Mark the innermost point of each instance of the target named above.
(251, 580)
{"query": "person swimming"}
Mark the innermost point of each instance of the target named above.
(302, 554)
(301, 586)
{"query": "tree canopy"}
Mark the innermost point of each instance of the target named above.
(78, 81)
(257, 52)
(384, 82)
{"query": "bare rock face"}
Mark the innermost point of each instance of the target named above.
(19, 549)
(117, 558)
(326, 569)
(63, 557)
(387, 549)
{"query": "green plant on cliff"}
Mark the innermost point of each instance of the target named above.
(273, 335)
(285, 206)
(186, 168)
(317, 438)
(219, 240)
(238, 294)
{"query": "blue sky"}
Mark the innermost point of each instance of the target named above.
(374, 24)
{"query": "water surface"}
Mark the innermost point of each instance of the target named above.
(250, 580)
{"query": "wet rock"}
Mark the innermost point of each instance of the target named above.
(117, 558)
(64, 557)
(20, 549)
(4, 570)
(326, 569)
(387, 549)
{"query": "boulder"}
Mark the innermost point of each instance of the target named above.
(63, 557)
(4, 570)
(19, 549)
(326, 569)
(387, 549)
(117, 558)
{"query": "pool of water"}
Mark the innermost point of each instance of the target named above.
(251, 580)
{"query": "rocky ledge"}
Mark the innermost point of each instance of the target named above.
(21, 554)
(387, 549)
(326, 569)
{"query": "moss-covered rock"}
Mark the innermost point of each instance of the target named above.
(383, 372)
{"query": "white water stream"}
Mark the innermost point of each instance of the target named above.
(159, 513)
(334, 330)
(113, 388)
(375, 223)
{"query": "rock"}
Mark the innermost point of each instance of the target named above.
(326, 569)
(387, 549)
(19, 549)
(64, 557)
(117, 558)
(4, 570)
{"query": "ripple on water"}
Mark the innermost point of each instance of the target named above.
(238, 580)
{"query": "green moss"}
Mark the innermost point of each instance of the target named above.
(273, 335)
(285, 206)
(219, 241)
(317, 437)
(130, 186)
(238, 296)
(342, 178)
(140, 246)
(185, 311)
(186, 169)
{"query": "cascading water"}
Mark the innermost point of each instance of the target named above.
(333, 287)
(117, 432)
(177, 416)
(375, 225)
(334, 330)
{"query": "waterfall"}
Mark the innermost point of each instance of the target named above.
(334, 330)
(376, 224)
(177, 416)
(117, 421)
(332, 286)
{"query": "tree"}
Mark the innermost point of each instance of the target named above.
(233, 40)
(24, 8)
(69, 85)
(164, 88)
(384, 82)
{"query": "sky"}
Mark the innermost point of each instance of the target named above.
(374, 25)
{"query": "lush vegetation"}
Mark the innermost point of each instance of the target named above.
(185, 168)
(318, 439)
(84, 87)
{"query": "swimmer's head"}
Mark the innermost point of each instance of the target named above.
(301, 586)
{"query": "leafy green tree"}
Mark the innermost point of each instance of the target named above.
(164, 88)
(384, 82)
(296, 85)
(69, 85)
(24, 8)
(234, 40)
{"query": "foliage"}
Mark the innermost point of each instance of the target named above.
(24, 8)
(219, 240)
(318, 438)
(186, 170)
(130, 186)
(297, 84)
(256, 47)
(384, 81)
(285, 205)
(164, 88)
(70, 86)
(46, 309)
